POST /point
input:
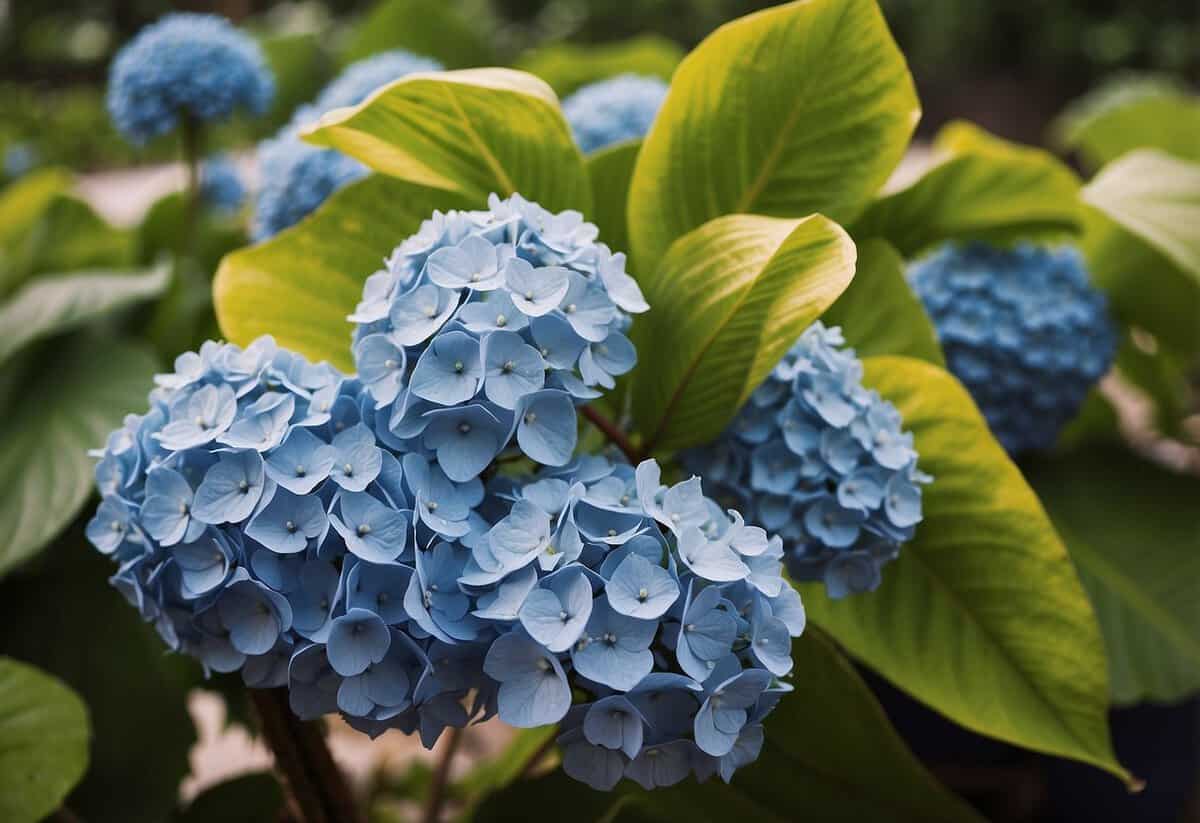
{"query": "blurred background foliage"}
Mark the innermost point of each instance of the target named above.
(1009, 76)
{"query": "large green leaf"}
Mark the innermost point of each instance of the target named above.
(611, 170)
(22, 204)
(1156, 197)
(43, 742)
(474, 132)
(982, 617)
(879, 313)
(1131, 113)
(984, 188)
(1134, 533)
(55, 410)
(52, 304)
(830, 755)
(728, 301)
(300, 285)
(1144, 287)
(1163, 377)
(567, 66)
(806, 107)
(70, 622)
(429, 29)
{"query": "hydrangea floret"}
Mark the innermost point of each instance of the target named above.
(1023, 329)
(486, 328)
(297, 177)
(614, 110)
(261, 526)
(666, 616)
(822, 461)
(195, 67)
(220, 185)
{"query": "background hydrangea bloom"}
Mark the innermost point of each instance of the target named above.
(613, 110)
(1023, 329)
(194, 66)
(220, 185)
(668, 614)
(297, 177)
(822, 461)
(486, 328)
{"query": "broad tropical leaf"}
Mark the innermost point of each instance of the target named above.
(728, 301)
(802, 108)
(43, 742)
(982, 617)
(1134, 533)
(300, 285)
(611, 170)
(474, 132)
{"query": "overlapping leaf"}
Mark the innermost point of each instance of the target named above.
(728, 301)
(611, 170)
(300, 285)
(802, 108)
(1134, 533)
(982, 617)
(475, 132)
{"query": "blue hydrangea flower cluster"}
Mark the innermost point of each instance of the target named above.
(486, 327)
(195, 66)
(1023, 329)
(220, 185)
(19, 159)
(261, 526)
(666, 616)
(297, 176)
(821, 460)
(614, 110)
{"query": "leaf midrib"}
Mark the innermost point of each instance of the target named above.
(477, 140)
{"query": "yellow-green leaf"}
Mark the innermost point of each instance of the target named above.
(982, 617)
(802, 108)
(474, 132)
(300, 285)
(728, 301)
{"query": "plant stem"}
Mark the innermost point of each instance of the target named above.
(613, 433)
(441, 777)
(316, 789)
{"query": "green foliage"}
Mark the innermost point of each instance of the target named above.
(1131, 113)
(250, 798)
(57, 408)
(1123, 265)
(1132, 531)
(473, 132)
(806, 107)
(611, 170)
(300, 67)
(727, 302)
(982, 617)
(434, 30)
(67, 620)
(43, 742)
(1157, 198)
(57, 303)
(860, 771)
(1163, 378)
(568, 66)
(879, 313)
(982, 188)
(301, 284)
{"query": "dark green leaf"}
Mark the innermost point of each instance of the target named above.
(250, 798)
(64, 405)
(611, 170)
(43, 742)
(567, 66)
(428, 29)
(1133, 531)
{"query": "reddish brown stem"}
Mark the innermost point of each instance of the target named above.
(613, 433)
